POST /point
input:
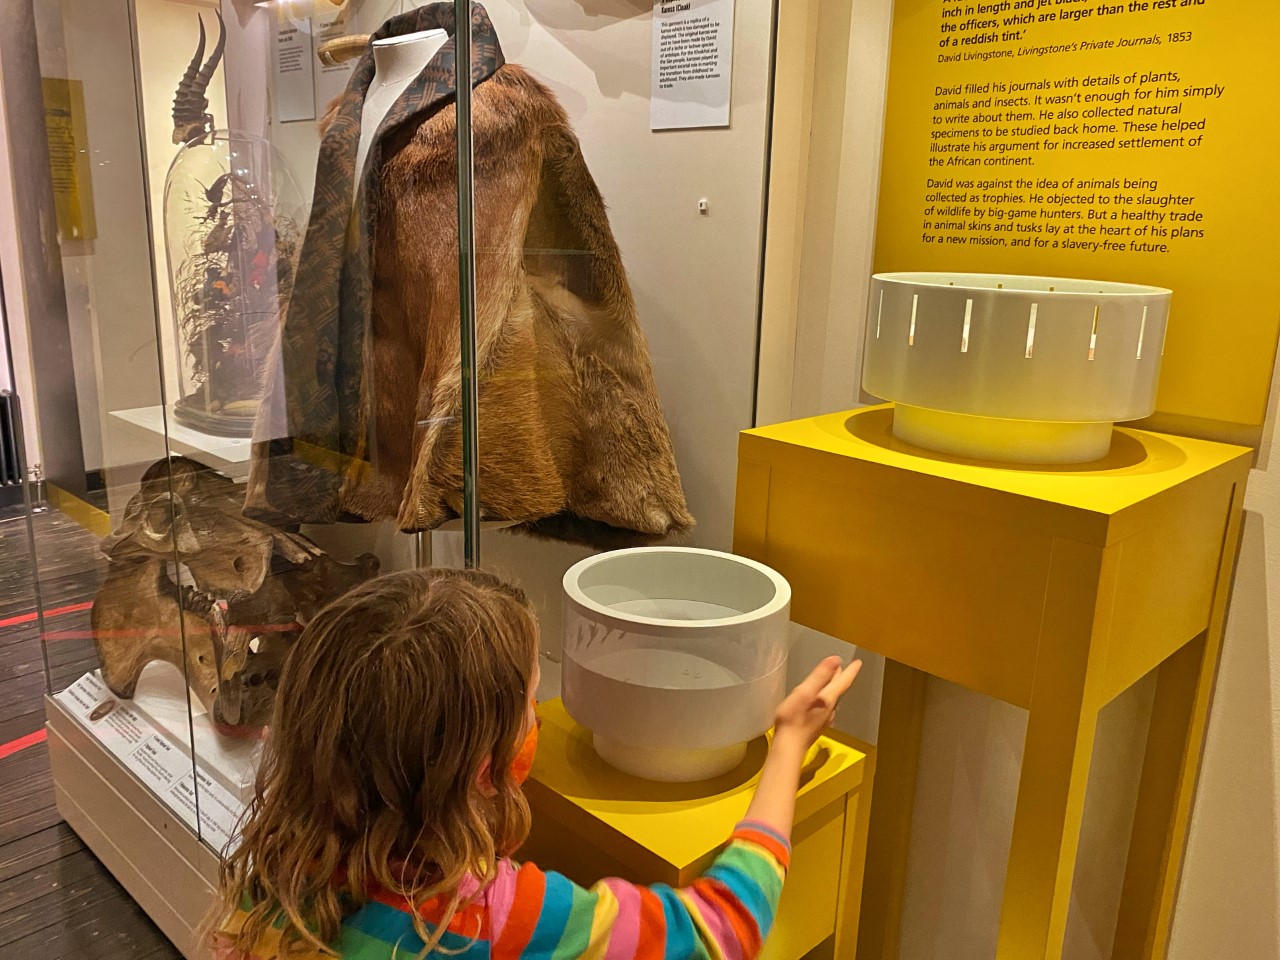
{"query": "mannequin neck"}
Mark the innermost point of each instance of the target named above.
(397, 60)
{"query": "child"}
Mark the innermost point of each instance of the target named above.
(389, 800)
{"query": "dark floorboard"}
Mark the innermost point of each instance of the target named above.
(19, 694)
(28, 853)
(21, 725)
(19, 633)
(89, 919)
(56, 900)
(46, 879)
(26, 795)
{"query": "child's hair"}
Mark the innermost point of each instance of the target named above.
(392, 704)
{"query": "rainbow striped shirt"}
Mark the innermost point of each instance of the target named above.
(527, 914)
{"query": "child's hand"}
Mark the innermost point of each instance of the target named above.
(800, 720)
(810, 707)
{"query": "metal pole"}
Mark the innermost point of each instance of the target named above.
(422, 549)
(467, 285)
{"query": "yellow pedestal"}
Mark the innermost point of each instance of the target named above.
(1052, 588)
(591, 822)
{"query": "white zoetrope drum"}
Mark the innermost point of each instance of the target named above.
(675, 658)
(1003, 367)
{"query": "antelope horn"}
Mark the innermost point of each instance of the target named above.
(181, 100)
(206, 72)
(190, 105)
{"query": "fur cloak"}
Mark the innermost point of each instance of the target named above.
(361, 417)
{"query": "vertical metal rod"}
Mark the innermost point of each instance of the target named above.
(467, 285)
(422, 556)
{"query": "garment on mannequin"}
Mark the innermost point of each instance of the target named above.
(397, 62)
(574, 443)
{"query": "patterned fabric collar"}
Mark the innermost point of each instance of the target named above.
(326, 324)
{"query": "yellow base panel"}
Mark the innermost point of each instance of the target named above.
(591, 821)
(1054, 588)
(86, 515)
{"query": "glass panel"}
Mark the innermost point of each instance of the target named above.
(617, 284)
(619, 256)
(116, 619)
(232, 142)
(21, 647)
(168, 609)
(259, 232)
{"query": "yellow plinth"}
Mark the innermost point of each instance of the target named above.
(1052, 588)
(591, 821)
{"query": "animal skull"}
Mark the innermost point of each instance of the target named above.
(194, 583)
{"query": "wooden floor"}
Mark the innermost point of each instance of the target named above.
(56, 899)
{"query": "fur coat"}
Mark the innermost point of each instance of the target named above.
(360, 420)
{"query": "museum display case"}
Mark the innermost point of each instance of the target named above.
(284, 388)
(128, 623)
(161, 676)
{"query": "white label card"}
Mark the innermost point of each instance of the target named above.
(293, 64)
(162, 765)
(692, 64)
(330, 81)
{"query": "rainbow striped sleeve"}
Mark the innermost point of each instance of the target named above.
(723, 915)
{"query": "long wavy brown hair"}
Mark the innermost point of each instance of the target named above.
(392, 705)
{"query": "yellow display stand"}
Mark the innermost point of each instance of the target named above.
(1051, 588)
(591, 821)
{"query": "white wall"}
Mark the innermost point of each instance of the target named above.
(15, 302)
(1230, 899)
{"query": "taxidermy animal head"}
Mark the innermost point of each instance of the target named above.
(194, 583)
(191, 117)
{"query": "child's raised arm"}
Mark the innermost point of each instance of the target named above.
(723, 915)
(800, 720)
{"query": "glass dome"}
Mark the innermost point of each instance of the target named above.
(233, 220)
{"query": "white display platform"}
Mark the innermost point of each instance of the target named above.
(146, 427)
(147, 847)
(150, 737)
